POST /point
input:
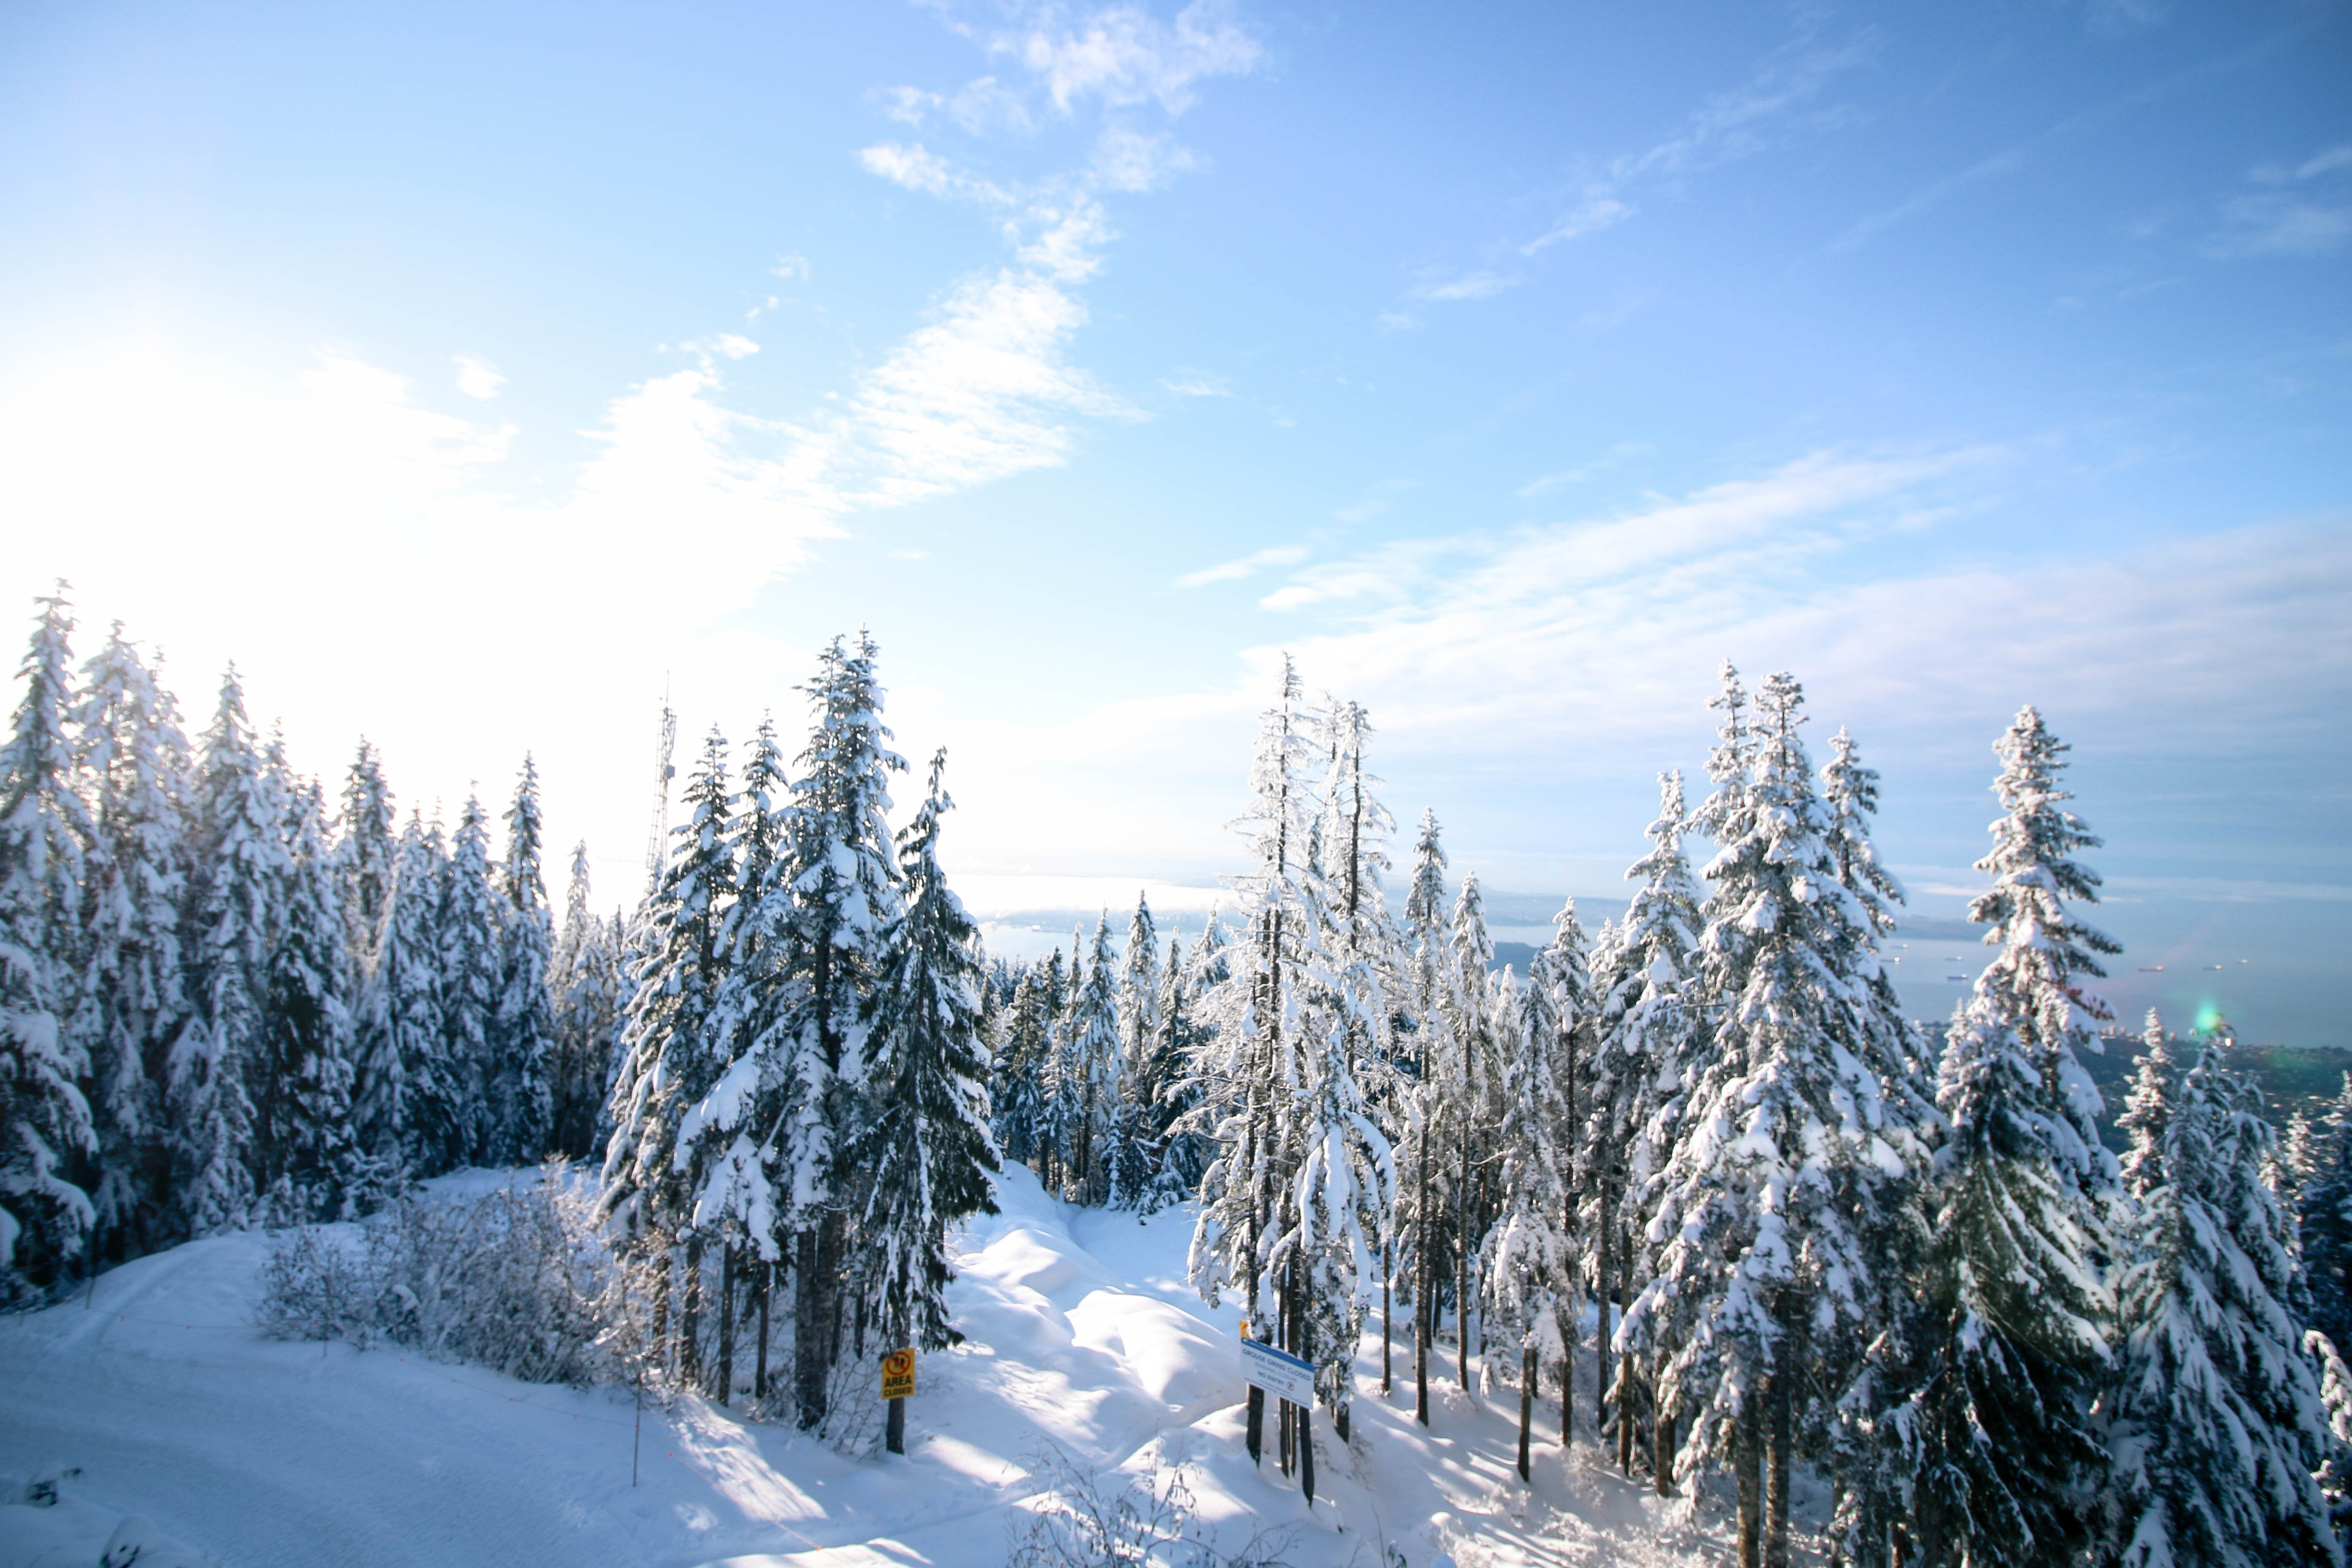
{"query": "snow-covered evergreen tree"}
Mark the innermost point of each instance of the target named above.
(365, 850)
(302, 1091)
(134, 1001)
(2323, 1204)
(660, 1159)
(1096, 1062)
(2035, 981)
(405, 1043)
(1650, 1030)
(2148, 1110)
(1764, 1262)
(469, 933)
(45, 832)
(588, 987)
(818, 930)
(2219, 1421)
(1528, 1270)
(237, 904)
(923, 1151)
(1420, 1224)
(1979, 1444)
(522, 1025)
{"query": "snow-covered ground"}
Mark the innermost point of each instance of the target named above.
(1081, 1334)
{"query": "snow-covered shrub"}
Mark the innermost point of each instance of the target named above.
(518, 1280)
(1148, 1523)
(314, 1287)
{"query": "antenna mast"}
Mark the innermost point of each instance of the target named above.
(657, 841)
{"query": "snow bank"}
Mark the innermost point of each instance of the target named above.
(1081, 1337)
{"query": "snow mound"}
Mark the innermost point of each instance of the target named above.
(1082, 1339)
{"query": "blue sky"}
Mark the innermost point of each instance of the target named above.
(468, 372)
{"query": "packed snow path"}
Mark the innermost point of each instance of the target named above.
(1081, 1334)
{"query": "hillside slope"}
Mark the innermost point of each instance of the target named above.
(1081, 1336)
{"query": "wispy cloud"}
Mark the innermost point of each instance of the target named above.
(1234, 570)
(1773, 105)
(478, 378)
(1122, 55)
(1578, 475)
(1479, 285)
(1196, 384)
(2300, 212)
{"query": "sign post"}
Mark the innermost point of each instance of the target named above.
(897, 1386)
(1290, 1379)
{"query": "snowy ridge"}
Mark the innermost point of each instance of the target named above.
(1080, 1334)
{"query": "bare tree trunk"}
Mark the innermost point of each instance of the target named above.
(1567, 1378)
(1424, 1292)
(1527, 1404)
(1387, 1328)
(1745, 1463)
(816, 1315)
(1600, 1262)
(725, 1324)
(1776, 1474)
(760, 1369)
(1628, 1407)
(689, 1287)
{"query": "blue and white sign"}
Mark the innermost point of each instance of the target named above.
(1279, 1372)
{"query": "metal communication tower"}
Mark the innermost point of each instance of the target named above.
(657, 841)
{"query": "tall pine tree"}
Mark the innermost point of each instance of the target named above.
(45, 832)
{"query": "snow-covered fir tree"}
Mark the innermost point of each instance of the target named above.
(2219, 1421)
(1649, 1028)
(237, 904)
(1979, 1444)
(134, 1001)
(589, 991)
(2324, 1208)
(1764, 1262)
(468, 935)
(1468, 1082)
(45, 832)
(923, 1149)
(523, 1024)
(1096, 1059)
(2148, 1110)
(2046, 952)
(818, 927)
(656, 1162)
(1255, 1066)
(366, 846)
(1138, 1134)
(301, 1088)
(1421, 1224)
(404, 1042)
(1529, 1267)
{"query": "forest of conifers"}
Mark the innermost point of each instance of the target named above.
(1697, 1158)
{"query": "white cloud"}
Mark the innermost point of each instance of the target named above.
(1480, 285)
(1197, 383)
(2326, 163)
(916, 168)
(976, 394)
(1121, 55)
(1596, 211)
(791, 265)
(720, 345)
(1234, 570)
(2281, 222)
(476, 378)
(1130, 161)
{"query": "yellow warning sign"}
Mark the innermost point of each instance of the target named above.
(898, 1374)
